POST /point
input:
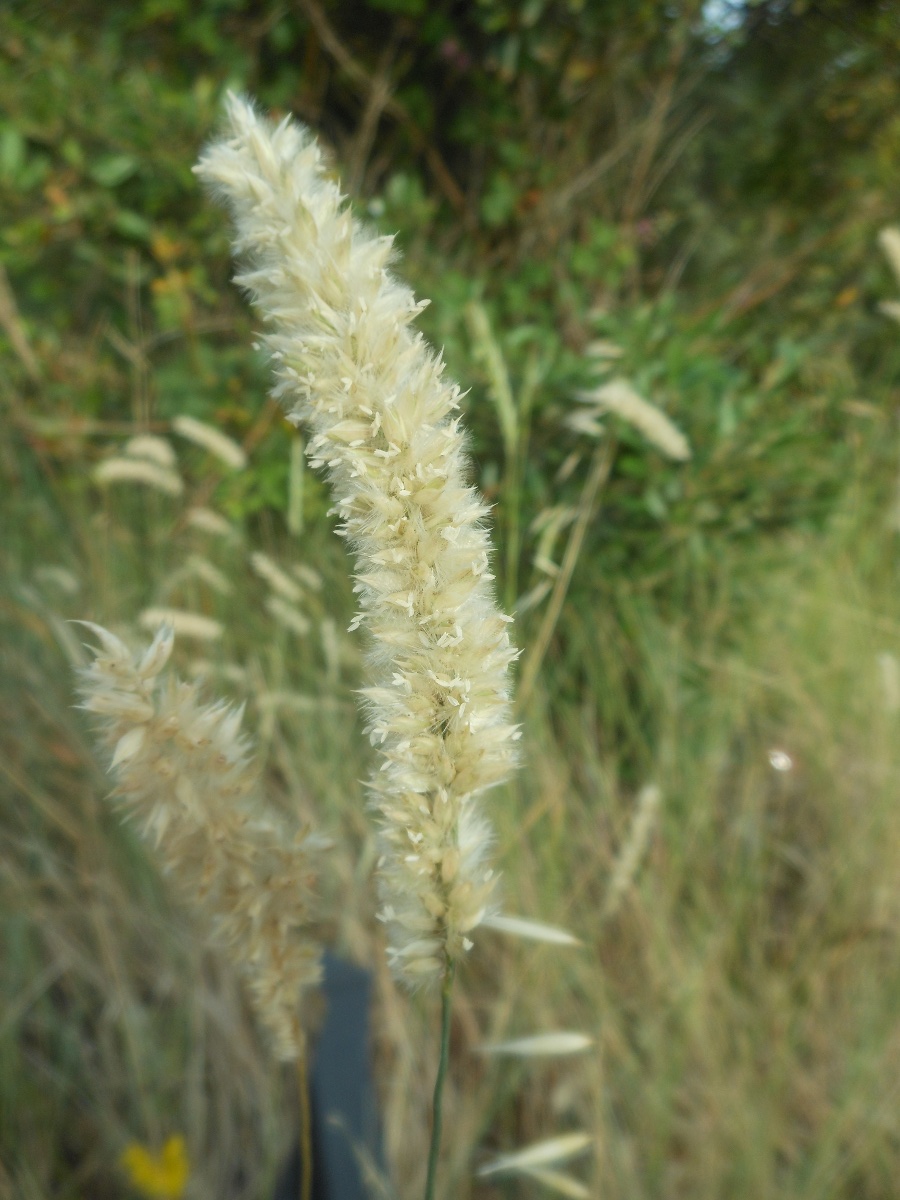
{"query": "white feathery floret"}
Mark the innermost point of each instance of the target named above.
(183, 772)
(382, 422)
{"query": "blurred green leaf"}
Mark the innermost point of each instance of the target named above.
(12, 152)
(132, 225)
(113, 169)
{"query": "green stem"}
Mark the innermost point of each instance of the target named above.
(434, 1149)
(512, 489)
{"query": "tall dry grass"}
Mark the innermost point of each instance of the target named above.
(742, 995)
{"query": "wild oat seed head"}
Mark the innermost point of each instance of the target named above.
(277, 579)
(139, 470)
(212, 440)
(208, 521)
(152, 448)
(382, 423)
(539, 1154)
(287, 616)
(620, 398)
(890, 244)
(183, 622)
(183, 773)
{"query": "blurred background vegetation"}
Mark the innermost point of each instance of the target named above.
(686, 196)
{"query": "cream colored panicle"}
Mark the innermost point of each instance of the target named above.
(619, 397)
(288, 616)
(277, 579)
(152, 448)
(184, 623)
(542, 1044)
(382, 422)
(556, 1181)
(890, 244)
(539, 1154)
(209, 573)
(183, 772)
(534, 931)
(139, 470)
(216, 443)
(208, 521)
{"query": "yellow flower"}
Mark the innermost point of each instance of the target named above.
(161, 1176)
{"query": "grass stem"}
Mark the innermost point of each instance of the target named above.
(306, 1150)
(434, 1149)
(601, 464)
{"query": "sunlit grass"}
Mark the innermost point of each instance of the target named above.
(743, 995)
(729, 635)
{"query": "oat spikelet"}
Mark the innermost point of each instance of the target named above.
(208, 521)
(139, 470)
(183, 773)
(184, 623)
(890, 244)
(382, 423)
(216, 443)
(152, 448)
(889, 239)
(620, 398)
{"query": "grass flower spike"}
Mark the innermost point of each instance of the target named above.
(139, 470)
(183, 771)
(382, 422)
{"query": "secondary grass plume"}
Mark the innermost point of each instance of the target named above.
(183, 771)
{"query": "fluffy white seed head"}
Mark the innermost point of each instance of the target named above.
(382, 423)
(183, 773)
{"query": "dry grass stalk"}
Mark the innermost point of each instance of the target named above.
(12, 326)
(601, 464)
(632, 852)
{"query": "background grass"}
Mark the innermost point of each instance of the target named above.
(701, 191)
